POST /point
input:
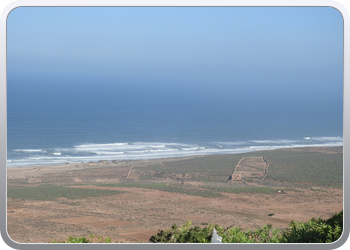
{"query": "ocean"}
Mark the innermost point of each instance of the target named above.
(52, 124)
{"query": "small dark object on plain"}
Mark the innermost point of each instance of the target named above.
(271, 214)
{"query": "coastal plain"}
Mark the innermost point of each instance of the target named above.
(129, 201)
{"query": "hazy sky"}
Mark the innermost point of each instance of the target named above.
(292, 52)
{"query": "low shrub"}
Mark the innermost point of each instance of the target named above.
(53, 192)
(315, 230)
(72, 239)
(312, 231)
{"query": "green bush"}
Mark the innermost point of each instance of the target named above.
(72, 239)
(313, 231)
(187, 233)
(194, 234)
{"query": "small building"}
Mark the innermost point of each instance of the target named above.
(235, 177)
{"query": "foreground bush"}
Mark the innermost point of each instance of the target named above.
(194, 234)
(313, 231)
(72, 239)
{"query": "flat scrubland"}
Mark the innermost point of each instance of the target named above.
(129, 201)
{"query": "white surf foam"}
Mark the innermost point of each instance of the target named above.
(273, 141)
(27, 150)
(154, 150)
(327, 138)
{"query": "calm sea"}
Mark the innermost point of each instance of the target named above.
(65, 123)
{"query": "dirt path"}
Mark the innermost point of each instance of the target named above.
(266, 169)
(249, 167)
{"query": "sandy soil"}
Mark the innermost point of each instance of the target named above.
(136, 215)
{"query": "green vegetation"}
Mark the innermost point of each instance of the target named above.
(194, 234)
(212, 168)
(165, 188)
(237, 190)
(52, 192)
(203, 192)
(294, 190)
(72, 239)
(306, 167)
(313, 231)
(147, 177)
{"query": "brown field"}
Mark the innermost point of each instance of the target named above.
(138, 213)
(253, 167)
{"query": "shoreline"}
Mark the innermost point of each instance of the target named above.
(87, 152)
(38, 170)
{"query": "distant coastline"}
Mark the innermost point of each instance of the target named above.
(35, 171)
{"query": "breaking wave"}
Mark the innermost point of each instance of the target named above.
(152, 150)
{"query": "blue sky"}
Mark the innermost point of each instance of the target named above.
(286, 53)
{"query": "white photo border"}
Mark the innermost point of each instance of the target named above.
(172, 3)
